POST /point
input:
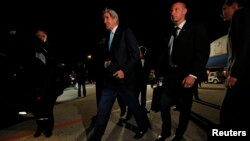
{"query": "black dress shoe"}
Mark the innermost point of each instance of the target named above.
(140, 134)
(176, 109)
(120, 122)
(176, 138)
(37, 134)
(160, 138)
(198, 99)
(146, 111)
(163, 138)
(93, 119)
(48, 133)
(128, 117)
(94, 138)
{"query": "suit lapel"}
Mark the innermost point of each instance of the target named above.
(183, 31)
(116, 39)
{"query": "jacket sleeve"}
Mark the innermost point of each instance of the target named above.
(132, 51)
(201, 50)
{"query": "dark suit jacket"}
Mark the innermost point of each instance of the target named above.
(190, 51)
(124, 55)
(239, 36)
(142, 72)
(50, 77)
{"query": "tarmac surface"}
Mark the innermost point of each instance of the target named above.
(73, 119)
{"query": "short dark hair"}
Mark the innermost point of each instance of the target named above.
(230, 2)
(185, 2)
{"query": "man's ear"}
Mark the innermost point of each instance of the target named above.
(45, 38)
(185, 11)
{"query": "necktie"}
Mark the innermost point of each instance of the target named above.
(170, 45)
(177, 31)
(111, 35)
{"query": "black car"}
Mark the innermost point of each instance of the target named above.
(15, 95)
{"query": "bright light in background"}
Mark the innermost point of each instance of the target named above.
(22, 113)
(25, 114)
(89, 56)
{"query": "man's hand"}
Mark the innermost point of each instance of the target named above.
(230, 82)
(119, 74)
(188, 81)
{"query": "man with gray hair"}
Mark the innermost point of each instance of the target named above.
(121, 54)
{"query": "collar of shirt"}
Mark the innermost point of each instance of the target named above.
(114, 29)
(180, 25)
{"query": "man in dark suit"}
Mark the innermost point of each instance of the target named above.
(121, 56)
(233, 114)
(182, 64)
(143, 69)
(142, 75)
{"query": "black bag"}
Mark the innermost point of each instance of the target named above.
(156, 104)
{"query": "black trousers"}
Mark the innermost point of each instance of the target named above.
(234, 109)
(173, 93)
(109, 94)
(44, 112)
(141, 90)
(81, 88)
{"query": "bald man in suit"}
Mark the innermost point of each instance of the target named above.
(181, 67)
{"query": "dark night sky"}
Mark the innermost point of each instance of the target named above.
(76, 27)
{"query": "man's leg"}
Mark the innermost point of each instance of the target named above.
(128, 95)
(104, 109)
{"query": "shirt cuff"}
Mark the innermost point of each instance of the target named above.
(192, 76)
